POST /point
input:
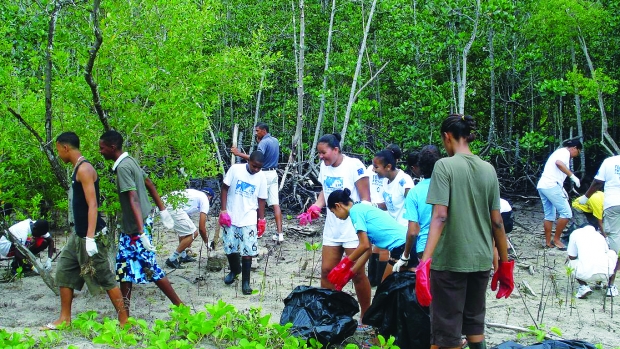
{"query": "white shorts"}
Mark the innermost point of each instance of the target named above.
(183, 224)
(611, 224)
(346, 244)
(272, 188)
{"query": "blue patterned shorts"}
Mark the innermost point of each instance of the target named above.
(241, 240)
(133, 262)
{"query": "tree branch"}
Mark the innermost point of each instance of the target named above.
(88, 71)
(370, 80)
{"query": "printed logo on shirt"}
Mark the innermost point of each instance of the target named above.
(245, 189)
(377, 182)
(360, 171)
(387, 197)
(617, 170)
(402, 182)
(333, 183)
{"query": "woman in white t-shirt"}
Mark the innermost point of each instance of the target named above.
(396, 183)
(551, 191)
(339, 171)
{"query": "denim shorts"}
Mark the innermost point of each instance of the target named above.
(554, 199)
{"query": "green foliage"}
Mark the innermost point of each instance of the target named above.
(539, 332)
(534, 141)
(16, 340)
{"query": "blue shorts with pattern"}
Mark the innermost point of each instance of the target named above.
(133, 262)
(243, 240)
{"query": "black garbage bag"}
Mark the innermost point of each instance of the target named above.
(548, 344)
(395, 311)
(320, 313)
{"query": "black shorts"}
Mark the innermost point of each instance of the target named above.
(413, 256)
(458, 307)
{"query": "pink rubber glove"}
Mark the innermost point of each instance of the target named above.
(341, 274)
(306, 218)
(504, 277)
(423, 283)
(260, 227)
(225, 220)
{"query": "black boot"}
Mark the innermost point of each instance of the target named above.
(372, 269)
(381, 265)
(246, 265)
(235, 267)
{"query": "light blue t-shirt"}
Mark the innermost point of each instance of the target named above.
(417, 210)
(382, 230)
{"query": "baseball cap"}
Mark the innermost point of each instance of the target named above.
(208, 191)
(573, 143)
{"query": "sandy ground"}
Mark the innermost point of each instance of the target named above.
(28, 303)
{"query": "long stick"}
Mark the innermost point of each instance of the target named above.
(45, 275)
(234, 143)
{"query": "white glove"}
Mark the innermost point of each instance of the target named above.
(91, 247)
(166, 219)
(402, 262)
(146, 243)
(48, 263)
(575, 180)
(583, 200)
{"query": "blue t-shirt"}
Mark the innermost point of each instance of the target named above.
(417, 210)
(382, 230)
(271, 149)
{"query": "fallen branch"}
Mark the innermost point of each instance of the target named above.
(45, 275)
(520, 329)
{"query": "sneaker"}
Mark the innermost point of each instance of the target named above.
(187, 259)
(174, 264)
(612, 291)
(583, 291)
(278, 237)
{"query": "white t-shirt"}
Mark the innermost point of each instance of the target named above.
(552, 176)
(21, 232)
(243, 193)
(197, 201)
(609, 172)
(504, 206)
(376, 185)
(593, 255)
(394, 196)
(332, 178)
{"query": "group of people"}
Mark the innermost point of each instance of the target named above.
(594, 246)
(421, 227)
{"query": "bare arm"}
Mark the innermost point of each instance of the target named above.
(261, 208)
(224, 196)
(412, 236)
(50, 247)
(499, 235)
(87, 176)
(202, 227)
(320, 201)
(363, 188)
(438, 222)
(563, 168)
(594, 187)
(153, 192)
(134, 201)
(362, 249)
(236, 152)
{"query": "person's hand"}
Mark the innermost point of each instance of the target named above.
(48, 264)
(583, 200)
(575, 180)
(166, 219)
(503, 277)
(313, 212)
(225, 220)
(402, 262)
(260, 226)
(146, 242)
(91, 247)
(235, 151)
(423, 283)
(341, 274)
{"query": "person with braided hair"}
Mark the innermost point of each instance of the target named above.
(464, 192)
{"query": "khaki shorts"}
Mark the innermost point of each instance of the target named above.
(272, 188)
(183, 224)
(75, 267)
(611, 224)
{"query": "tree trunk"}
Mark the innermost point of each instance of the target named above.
(578, 115)
(463, 79)
(492, 132)
(45, 275)
(319, 123)
(88, 71)
(358, 68)
(257, 112)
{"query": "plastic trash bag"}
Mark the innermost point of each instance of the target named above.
(548, 344)
(320, 313)
(395, 311)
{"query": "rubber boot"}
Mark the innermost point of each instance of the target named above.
(381, 265)
(372, 269)
(481, 345)
(235, 267)
(246, 265)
